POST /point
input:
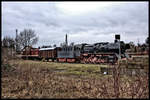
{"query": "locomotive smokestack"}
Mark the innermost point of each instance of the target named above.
(66, 40)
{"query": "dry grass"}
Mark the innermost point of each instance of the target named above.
(33, 79)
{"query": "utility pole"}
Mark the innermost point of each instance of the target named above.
(16, 40)
(117, 37)
(119, 50)
(138, 43)
(26, 45)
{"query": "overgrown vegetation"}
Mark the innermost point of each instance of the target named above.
(33, 79)
(6, 56)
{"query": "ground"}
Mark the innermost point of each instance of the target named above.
(37, 79)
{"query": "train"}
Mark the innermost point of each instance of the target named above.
(97, 53)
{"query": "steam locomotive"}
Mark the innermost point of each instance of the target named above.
(103, 52)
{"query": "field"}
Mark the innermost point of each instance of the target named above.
(37, 79)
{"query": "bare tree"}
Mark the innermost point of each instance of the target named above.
(132, 47)
(27, 38)
(54, 45)
(8, 42)
(147, 40)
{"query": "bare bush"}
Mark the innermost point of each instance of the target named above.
(30, 80)
(129, 87)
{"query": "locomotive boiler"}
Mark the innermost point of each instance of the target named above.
(103, 52)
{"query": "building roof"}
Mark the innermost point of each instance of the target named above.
(46, 48)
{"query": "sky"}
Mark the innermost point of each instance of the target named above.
(83, 22)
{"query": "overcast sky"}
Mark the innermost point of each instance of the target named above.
(84, 22)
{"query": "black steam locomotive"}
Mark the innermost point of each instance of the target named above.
(103, 52)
